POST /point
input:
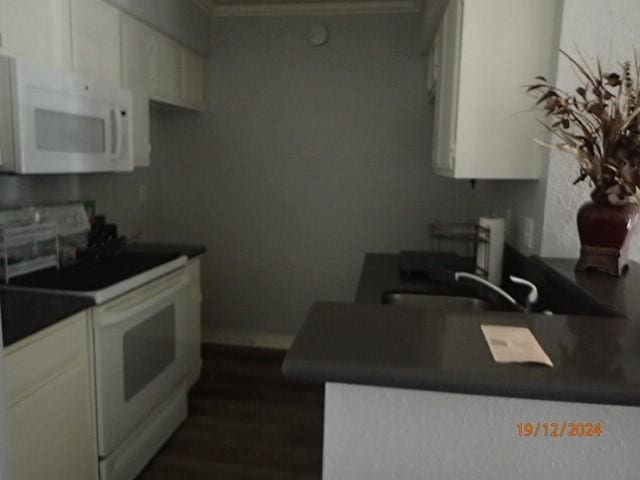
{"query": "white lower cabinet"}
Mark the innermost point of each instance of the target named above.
(51, 404)
(194, 322)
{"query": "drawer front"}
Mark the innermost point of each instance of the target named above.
(34, 361)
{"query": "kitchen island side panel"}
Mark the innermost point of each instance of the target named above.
(381, 433)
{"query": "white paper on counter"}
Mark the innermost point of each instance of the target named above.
(514, 345)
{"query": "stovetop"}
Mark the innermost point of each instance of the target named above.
(91, 275)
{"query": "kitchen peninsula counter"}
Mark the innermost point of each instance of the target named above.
(596, 357)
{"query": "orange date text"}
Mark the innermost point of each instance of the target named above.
(560, 429)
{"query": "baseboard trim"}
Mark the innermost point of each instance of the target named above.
(248, 339)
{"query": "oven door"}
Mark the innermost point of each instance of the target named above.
(140, 355)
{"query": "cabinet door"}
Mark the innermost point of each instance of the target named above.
(447, 56)
(165, 77)
(38, 30)
(49, 431)
(137, 45)
(95, 38)
(506, 43)
(51, 409)
(192, 79)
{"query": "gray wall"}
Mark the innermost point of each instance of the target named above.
(115, 193)
(305, 159)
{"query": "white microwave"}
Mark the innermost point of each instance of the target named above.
(56, 122)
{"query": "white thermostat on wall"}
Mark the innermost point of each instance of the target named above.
(317, 35)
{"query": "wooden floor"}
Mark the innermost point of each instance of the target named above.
(245, 422)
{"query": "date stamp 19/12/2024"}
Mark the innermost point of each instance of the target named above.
(560, 429)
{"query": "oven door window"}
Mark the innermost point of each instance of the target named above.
(149, 349)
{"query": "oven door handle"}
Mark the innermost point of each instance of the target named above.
(140, 301)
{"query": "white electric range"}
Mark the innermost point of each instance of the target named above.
(139, 342)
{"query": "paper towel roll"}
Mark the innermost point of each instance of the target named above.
(494, 249)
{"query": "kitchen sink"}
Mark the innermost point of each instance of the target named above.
(446, 303)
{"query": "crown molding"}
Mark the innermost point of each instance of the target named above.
(319, 8)
(207, 6)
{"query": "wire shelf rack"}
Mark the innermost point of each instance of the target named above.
(465, 238)
(27, 248)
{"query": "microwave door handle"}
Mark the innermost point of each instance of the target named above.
(117, 133)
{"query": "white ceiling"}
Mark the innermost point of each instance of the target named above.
(306, 7)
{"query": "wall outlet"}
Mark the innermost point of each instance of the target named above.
(142, 193)
(527, 234)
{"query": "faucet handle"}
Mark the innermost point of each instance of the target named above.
(533, 290)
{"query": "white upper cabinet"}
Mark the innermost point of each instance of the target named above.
(193, 76)
(95, 40)
(137, 44)
(176, 73)
(155, 67)
(37, 30)
(447, 56)
(484, 126)
(166, 77)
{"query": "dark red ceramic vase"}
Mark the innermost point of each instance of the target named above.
(605, 232)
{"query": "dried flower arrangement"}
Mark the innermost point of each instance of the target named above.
(599, 124)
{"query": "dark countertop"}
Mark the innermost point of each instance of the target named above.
(596, 358)
(619, 295)
(165, 248)
(25, 313)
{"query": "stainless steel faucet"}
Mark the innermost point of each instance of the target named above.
(532, 298)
